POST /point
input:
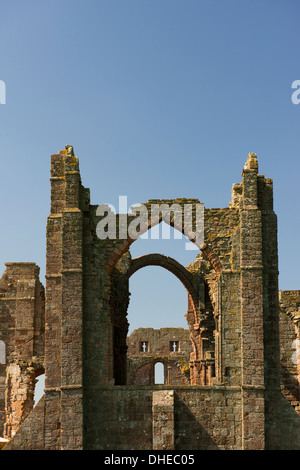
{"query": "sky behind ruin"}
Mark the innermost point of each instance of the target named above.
(160, 99)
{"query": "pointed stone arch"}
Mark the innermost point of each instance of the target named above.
(173, 266)
(122, 245)
(196, 316)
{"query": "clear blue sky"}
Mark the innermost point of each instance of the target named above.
(160, 98)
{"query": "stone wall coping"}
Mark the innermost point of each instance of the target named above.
(155, 388)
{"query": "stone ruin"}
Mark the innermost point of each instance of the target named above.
(230, 380)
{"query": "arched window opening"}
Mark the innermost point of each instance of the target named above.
(162, 296)
(144, 346)
(39, 388)
(2, 353)
(159, 373)
(174, 346)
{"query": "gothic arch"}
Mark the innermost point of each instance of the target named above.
(197, 318)
(196, 314)
(157, 259)
(146, 373)
(123, 245)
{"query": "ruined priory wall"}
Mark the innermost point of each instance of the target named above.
(84, 405)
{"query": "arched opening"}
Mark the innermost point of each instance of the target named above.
(140, 309)
(39, 389)
(158, 300)
(157, 320)
(163, 306)
(170, 286)
(2, 353)
(159, 373)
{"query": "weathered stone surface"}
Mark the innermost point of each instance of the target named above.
(168, 346)
(163, 420)
(22, 326)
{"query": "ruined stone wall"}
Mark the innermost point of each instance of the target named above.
(221, 226)
(64, 299)
(20, 387)
(208, 418)
(169, 346)
(30, 436)
(290, 344)
(284, 406)
(204, 418)
(22, 325)
(233, 247)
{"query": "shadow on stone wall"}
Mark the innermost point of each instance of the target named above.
(282, 419)
(290, 383)
(189, 434)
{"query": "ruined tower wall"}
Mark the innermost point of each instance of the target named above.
(22, 316)
(63, 336)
